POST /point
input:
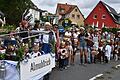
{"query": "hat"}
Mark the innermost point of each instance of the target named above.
(36, 41)
(26, 46)
(118, 31)
(77, 29)
(108, 41)
(82, 28)
(62, 43)
(102, 40)
(106, 33)
(55, 25)
(97, 29)
(47, 23)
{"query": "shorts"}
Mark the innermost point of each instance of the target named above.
(83, 46)
(74, 49)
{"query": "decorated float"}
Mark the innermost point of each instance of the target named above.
(15, 67)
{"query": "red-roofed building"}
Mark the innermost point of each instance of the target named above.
(103, 16)
(70, 11)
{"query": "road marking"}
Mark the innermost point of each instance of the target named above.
(117, 66)
(96, 77)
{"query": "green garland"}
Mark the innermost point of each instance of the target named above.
(2, 56)
(113, 30)
(53, 46)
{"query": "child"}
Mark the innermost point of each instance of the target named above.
(26, 52)
(62, 56)
(2, 50)
(108, 50)
(35, 51)
(11, 52)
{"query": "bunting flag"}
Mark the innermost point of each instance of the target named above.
(103, 25)
(93, 25)
(97, 24)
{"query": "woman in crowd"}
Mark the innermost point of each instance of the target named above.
(57, 45)
(95, 46)
(83, 46)
(74, 41)
(24, 29)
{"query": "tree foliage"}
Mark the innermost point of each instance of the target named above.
(113, 30)
(14, 9)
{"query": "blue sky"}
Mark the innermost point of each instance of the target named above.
(85, 6)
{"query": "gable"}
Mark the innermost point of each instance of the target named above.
(100, 9)
(78, 12)
(108, 10)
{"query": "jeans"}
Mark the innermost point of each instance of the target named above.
(46, 48)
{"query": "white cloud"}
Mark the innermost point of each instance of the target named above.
(85, 6)
(112, 1)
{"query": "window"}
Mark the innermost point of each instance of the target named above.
(62, 10)
(95, 16)
(76, 10)
(103, 16)
(78, 16)
(73, 16)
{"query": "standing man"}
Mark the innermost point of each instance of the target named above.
(83, 46)
(48, 40)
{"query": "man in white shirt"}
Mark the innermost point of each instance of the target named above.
(48, 40)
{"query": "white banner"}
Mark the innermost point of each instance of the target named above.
(37, 67)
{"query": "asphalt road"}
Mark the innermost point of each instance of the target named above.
(80, 72)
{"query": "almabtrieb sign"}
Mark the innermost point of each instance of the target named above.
(37, 67)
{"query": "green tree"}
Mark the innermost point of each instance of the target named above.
(14, 9)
